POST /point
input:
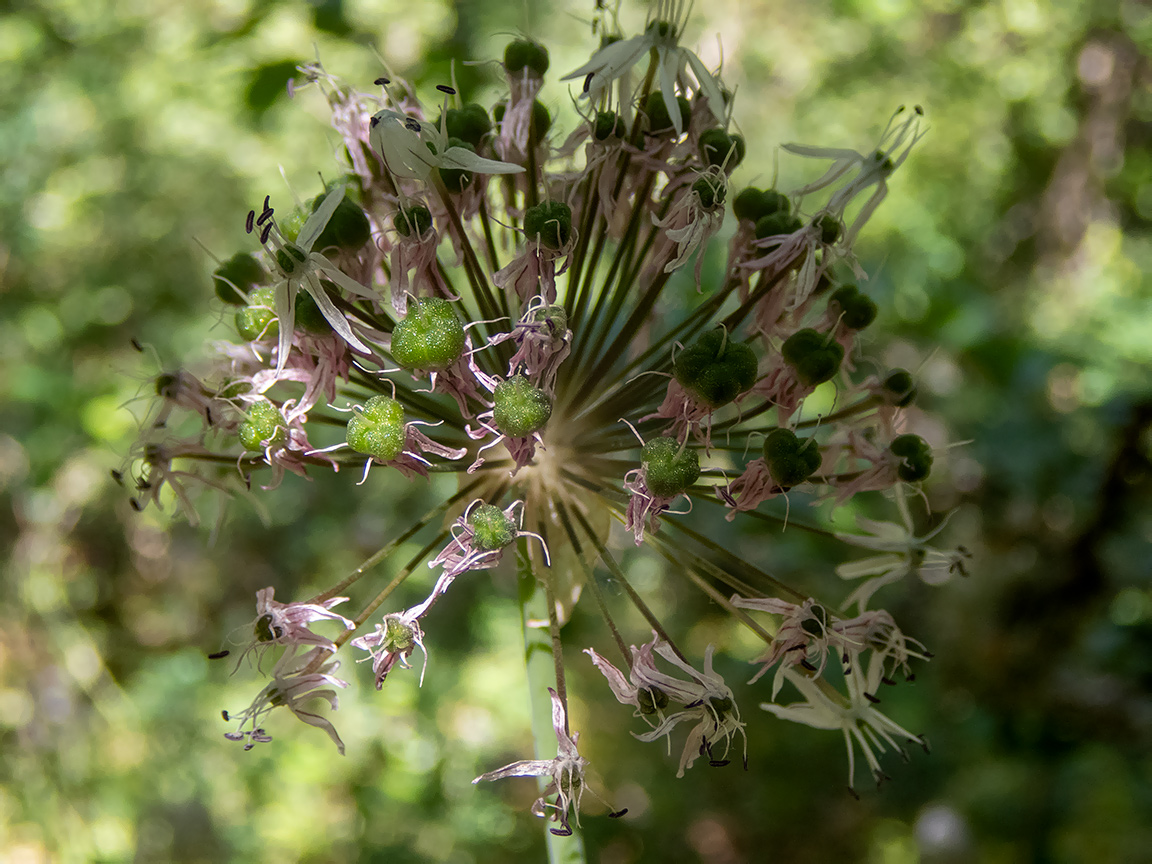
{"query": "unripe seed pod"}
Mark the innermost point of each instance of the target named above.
(257, 322)
(668, 469)
(470, 123)
(430, 338)
(264, 427)
(813, 355)
(651, 699)
(456, 180)
(524, 53)
(492, 529)
(915, 457)
(236, 277)
(416, 219)
(608, 125)
(830, 228)
(754, 204)
(541, 119)
(715, 369)
(780, 222)
(856, 310)
(348, 229)
(790, 460)
(290, 258)
(550, 223)
(720, 149)
(710, 190)
(659, 120)
(378, 429)
(899, 389)
(519, 408)
(309, 318)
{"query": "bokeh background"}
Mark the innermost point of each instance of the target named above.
(1012, 263)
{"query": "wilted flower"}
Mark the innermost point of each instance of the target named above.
(856, 717)
(295, 683)
(566, 771)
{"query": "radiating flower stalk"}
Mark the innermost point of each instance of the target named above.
(480, 294)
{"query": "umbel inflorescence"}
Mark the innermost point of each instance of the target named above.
(481, 293)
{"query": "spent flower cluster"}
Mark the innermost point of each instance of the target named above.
(476, 293)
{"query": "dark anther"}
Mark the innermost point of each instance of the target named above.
(118, 477)
(871, 698)
(910, 677)
(561, 832)
(618, 813)
(381, 81)
(919, 110)
(807, 665)
(265, 232)
(444, 88)
(588, 80)
(208, 416)
(267, 198)
(853, 793)
(136, 505)
(265, 216)
(372, 123)
(412, 124)
(219, 655)
(928, 655)
(888, 681)
(224, 714)
(719, 763)
(844, 659)
(136, 344)
(925, 745)
(745, 761)
(250, 221)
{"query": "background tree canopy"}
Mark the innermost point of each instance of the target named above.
(1012, 259)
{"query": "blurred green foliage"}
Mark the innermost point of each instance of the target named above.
(1012, 259)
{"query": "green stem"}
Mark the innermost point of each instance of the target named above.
(541, 646)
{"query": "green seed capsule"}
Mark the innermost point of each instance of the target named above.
(456, 180)
(492, 529)
(550, 223)
(659, 120)
(899, 389)
(256, 322)
(430, 337)
(264, 427)
(817, 625)
(525, 54)
(790, 461)
(814, 357)
(710, 190)
(754, 204)
(715, 369)
(541, 119)
(651, 699)
(236, 277)
(415, 218)
(290, 258)
(309, 318)
(348, 228)
(668, 470)
(720, 149)
(914, 455)
(520, 409)
(608, 125)
(780, 222)
(830, 228)
(856, 310)
(378, 429)
(470, 123)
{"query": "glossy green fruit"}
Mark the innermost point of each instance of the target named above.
(378, 429)
(668, 470)
(430, 338)
(715, 369)
(520, 409)
(813, 356)
(492, 530)
(790, 460)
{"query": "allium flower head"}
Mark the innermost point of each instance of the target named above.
(485, 297)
